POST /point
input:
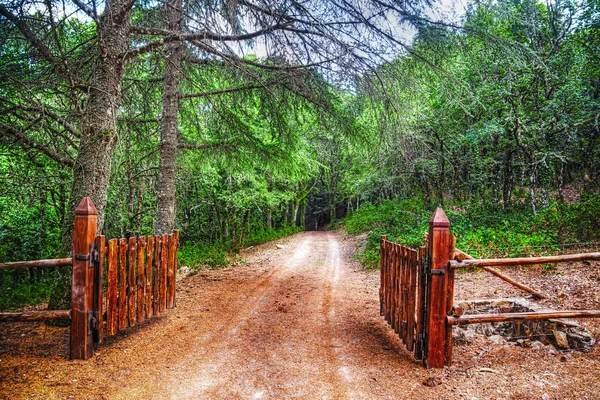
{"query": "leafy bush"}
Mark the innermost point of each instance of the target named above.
(215, 255)
(482, 230)
(17, 290)
(197, 255)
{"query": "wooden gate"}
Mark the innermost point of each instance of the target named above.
(414, 292)
(417, 291)
(140, 282)
(402, 293)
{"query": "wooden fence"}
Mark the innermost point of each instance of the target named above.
(428, 279)
(140, 282)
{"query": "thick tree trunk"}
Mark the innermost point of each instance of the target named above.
(91, 172)
(165, 216)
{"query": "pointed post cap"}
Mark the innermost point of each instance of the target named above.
(86, 207)
(439, 219)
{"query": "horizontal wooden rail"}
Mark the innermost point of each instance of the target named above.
(525, 316)
(44, 315)
(56, 262)
(506, 262)
(461, 256)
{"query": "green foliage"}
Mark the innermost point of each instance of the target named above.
(196, 256)
(18, 290)
(218, 255)
(481, 230)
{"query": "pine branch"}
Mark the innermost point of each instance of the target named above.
(20, 136)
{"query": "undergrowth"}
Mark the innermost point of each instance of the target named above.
(217, 255)
(481, 230)
(18, 290)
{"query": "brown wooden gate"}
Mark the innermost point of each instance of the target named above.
(140, 282)
(417, 291)
(402, 293)
(414, 292)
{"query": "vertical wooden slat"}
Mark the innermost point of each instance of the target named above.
(163, 272)
(393, 284)
(82, 278)
(406, 294)
(111, 289)
(156, 275)
(122, 324)
(99, 287)
(388, 295)
(420, 303)
(398, 289)
(381, 273)
(401, 292)
(176, 265)
(171, 273)
(131, 281)
(439, 243)
(391, 281)
(398, 261)
(450, 302)
(148, 275)
(141, 281)
(411, 300)
(386, 278)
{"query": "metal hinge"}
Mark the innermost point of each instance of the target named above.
(93, 320)
(438, 272)
(95, 253)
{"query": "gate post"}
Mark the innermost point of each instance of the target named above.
(439, 245)
(82, 294)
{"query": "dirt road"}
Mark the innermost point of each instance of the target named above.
(297, 322)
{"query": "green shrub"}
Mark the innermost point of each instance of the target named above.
(17, 290)
(216, 255)
(481, 230)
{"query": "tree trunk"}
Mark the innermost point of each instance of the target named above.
(303, 214)
(331, 210)
(270, 217)
(508, 180)
(561, 182)
(91, 172)
(295, 209)
(532, 191)
(166, 195)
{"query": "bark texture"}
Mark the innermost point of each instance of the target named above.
(165, 217)
(91, 171)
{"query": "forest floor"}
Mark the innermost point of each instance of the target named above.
(300, 321)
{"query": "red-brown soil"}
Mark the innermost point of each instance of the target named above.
(297, 322)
